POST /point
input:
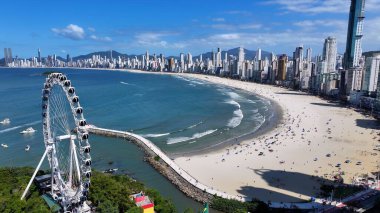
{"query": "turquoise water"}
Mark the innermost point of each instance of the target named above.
(179, 115)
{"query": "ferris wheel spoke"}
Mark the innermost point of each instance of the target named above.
(64, 134)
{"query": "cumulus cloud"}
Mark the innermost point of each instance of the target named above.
(72, 31)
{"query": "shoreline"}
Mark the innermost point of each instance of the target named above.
(297, 156)
(267, 127)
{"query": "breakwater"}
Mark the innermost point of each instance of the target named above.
(167, 167)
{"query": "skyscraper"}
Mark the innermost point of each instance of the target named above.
(308, 54)
(282, 67)
(258, 54)
(39, 55)
(354, 34)
(329, 53)
(5, 56)
(241, 54)
(146, 62)
(218, 58)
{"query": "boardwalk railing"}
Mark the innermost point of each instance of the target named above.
(152, 147)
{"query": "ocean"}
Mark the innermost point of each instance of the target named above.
(180, 115)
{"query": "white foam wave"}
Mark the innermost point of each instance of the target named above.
(18, 127)
(195, 125)
(234, 95)
(236, 120)
(125, 83)
(195, 136)
(190, 80)
(233, 103)
(155, 135)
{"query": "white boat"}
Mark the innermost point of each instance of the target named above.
(27, 148)
(28, 131)
(4, 145)
(5, 121)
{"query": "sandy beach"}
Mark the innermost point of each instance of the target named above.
(300, 153)
(289, 162)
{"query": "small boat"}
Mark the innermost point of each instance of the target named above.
(110, 171)
(4, 145)
(28, 131)
(5, 121)
(27, 148)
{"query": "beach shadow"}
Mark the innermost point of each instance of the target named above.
(327, 104)
(294, 182)
(291, 93)
(368, 123)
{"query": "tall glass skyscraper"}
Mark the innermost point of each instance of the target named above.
(354, 34)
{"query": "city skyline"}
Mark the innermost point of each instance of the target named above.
(184, 27)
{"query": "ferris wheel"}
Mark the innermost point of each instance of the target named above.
(66, 142)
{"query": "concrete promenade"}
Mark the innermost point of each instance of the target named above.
(165, 158)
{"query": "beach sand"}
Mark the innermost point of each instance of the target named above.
(294, 161)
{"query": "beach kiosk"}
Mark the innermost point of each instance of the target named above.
(143, 201)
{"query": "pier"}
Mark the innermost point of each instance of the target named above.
(200, 192)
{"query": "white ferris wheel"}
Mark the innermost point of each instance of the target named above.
(66, 144)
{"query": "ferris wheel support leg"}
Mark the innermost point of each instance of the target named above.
(76, 161)
(34, 174)
(71, 162)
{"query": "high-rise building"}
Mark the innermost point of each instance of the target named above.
(258, 54)
(218, 58)
(241, 54)
(371, 73)
(5, 56)
(308, 54)
(297, 62)
(282, 67)
(39, 55)
(147, 59)
(354, 34)
(182, 61)
(329, 53)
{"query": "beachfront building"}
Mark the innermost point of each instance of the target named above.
(371, 73)
(329, 53)
(352, 73)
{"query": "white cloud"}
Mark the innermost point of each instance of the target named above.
(218, 19)
(321, 6)
(72, 31)
(97, 38)
(157, 39)
(324, 23)
(235, 26)
(238, 12)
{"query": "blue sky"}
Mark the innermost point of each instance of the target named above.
(174, 26)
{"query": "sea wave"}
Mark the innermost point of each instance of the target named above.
(125, 83)
(155, 135)
(233, 103)
(189, 80)
(18, 127)
(238, 115)
(195, 136)
(236, 120)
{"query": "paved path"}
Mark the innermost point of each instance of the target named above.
(166, 159)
